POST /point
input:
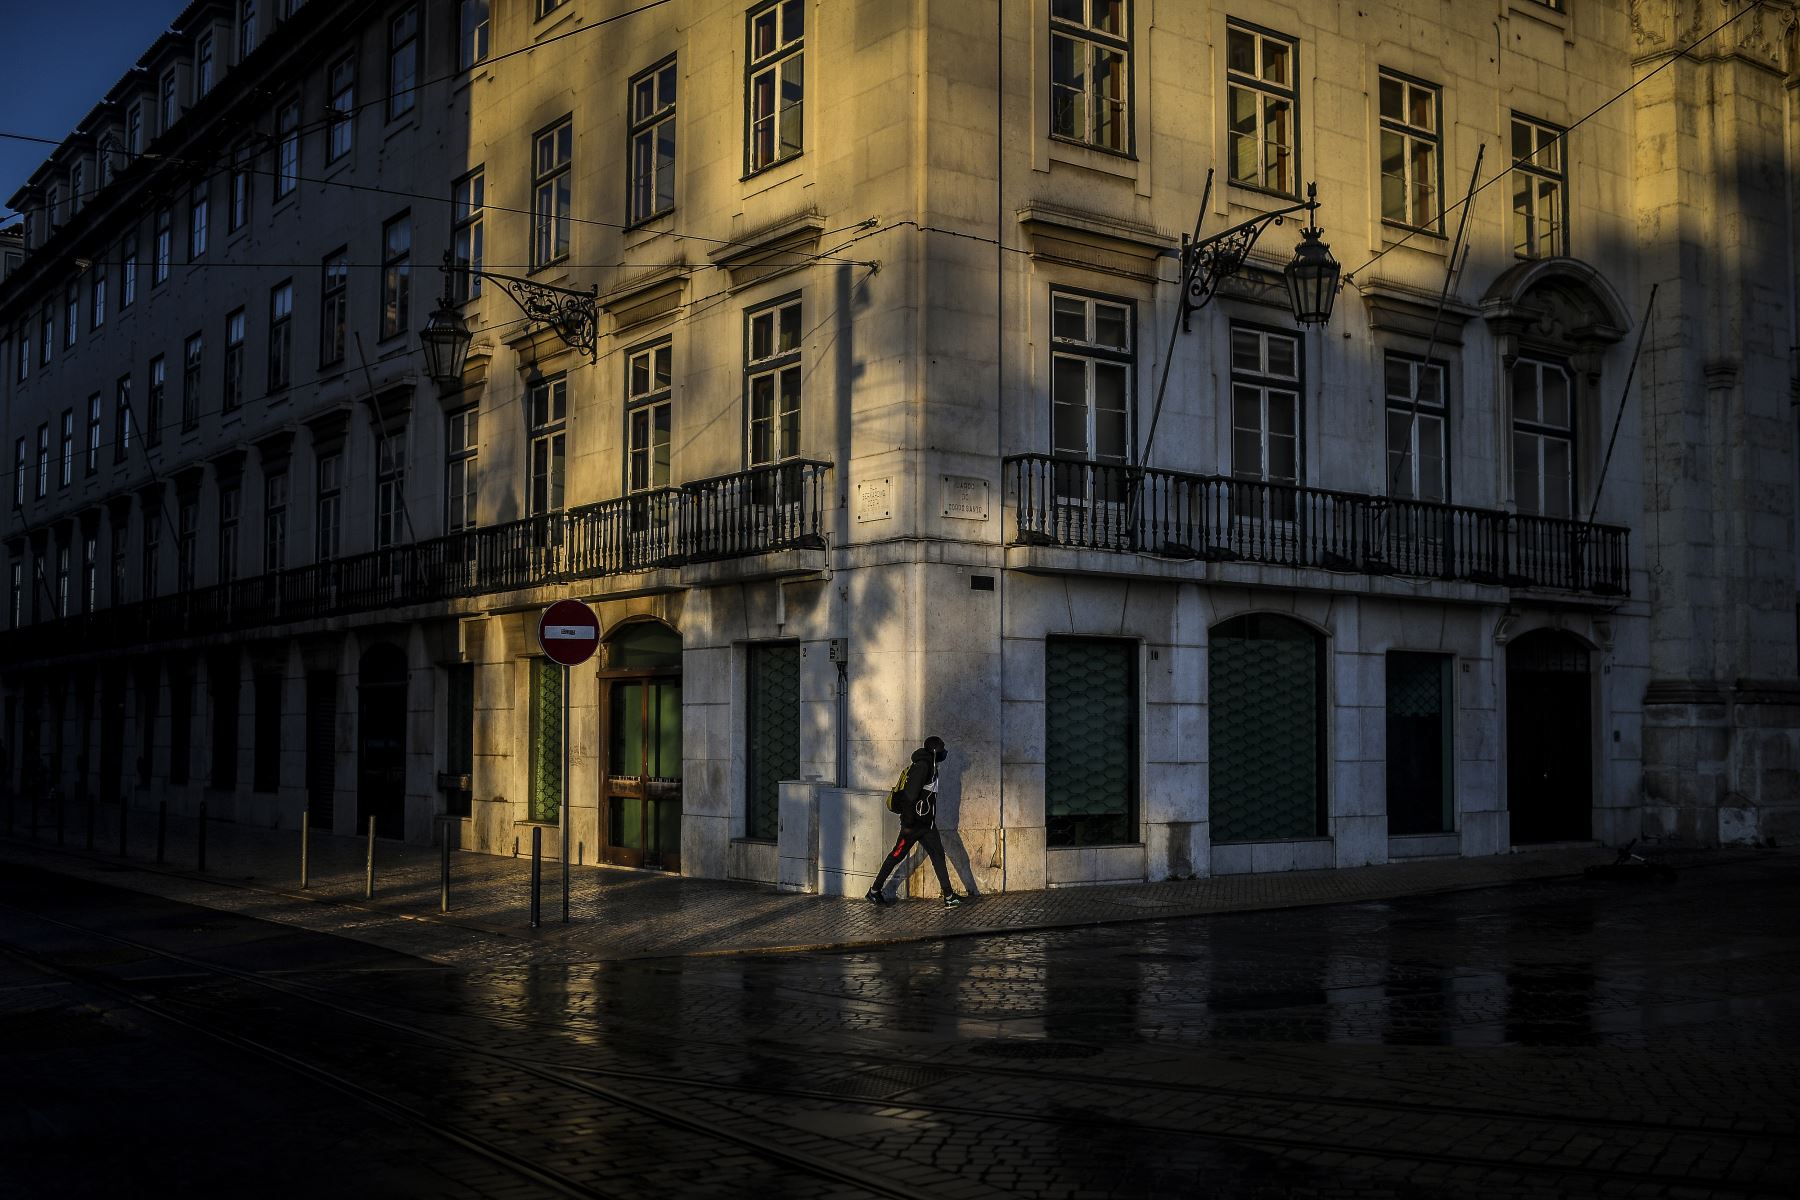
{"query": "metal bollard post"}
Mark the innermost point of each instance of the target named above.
(93, 805)
(369, 869)
(443, 866)
(162, 831)
(537, 869)
(305, 835)
(203, 835)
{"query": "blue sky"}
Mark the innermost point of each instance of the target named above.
(61, 59)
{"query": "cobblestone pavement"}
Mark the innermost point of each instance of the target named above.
(1558, 1037)
(616, 913)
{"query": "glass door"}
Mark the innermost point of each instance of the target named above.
(643, 772)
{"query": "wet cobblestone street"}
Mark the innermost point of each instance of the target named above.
(1550, 1038)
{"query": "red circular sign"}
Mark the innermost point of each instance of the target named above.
(568, 631)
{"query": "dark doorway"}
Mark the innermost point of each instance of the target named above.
(1420, 795)
(1549, 738)
(640, 680)
(381, 741)
(321, 748)
(112, 733)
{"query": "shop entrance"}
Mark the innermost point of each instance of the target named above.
(640, 802)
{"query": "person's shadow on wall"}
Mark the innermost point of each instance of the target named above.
(949, 810)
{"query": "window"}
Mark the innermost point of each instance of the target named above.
(152, 553)
(652, 143)
(170, 108)
(233, 394)
(47, 323)
(231, 503)
(24, 367)
(1090, 378)
(15, 602)
(1410, 163)
(165, 243)
(203, 65)
(77, 188)
(468, 196)
(1421, 796)
(66, 470)
(459, 735)
(97, 294)
(548, 403)
(134, 131)
(1090, 72)
(62, 580)
(472, 33)
(1538, 224)
(461, 446)
(396, 275)
(334, 310)
(287, 149)
(243, 163)
(1091, 741)
(1265, 419)
(187, 540)
(122, 419)
(193, 361)
(71, 313)
(128, 269)
(1417, 465)
(44, 461)
(325, 508)
(275, 502)
(776, 87)
(550, 194)
(246, 28)
(390, 489)
(771, 735)
(199, 208)
(772, 382)
(20, 470)
(1266, 705)
(1543, 439)
(1263, 97)
(403, 61)
(647, 393)
(92, 464)
(546, 7)
(546, 740)
(90, 570)
(153, 403)
(281, 334)
(121, 552)
(339, 139)
(53, 207)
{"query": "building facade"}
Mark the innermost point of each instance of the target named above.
(893, 421)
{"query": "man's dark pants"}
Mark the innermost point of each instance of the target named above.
(934, 848)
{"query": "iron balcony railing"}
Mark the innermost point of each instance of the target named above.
(745, 513)
(1100, 506)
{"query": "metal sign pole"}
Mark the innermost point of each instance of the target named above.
(565, 796)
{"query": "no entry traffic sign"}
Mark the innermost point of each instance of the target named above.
(568, 631)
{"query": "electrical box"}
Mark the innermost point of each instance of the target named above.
(840, 649)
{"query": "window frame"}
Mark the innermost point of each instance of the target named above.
(646, 402)
(1091, 352)
(1404, 407)
(275, 506)
(462, 454)
(340, 104)
(97, 294)
(550, 434)
(551, 235)
(1543, 432)
(281, 335)
(240, 189)
(156, 393)
(232, 396)
(128, 269)
(395, 311)
(96, 419)
(403, 44)
(328, 492)
(1091, 38)
(1410, 135)
(1265, 381)
(775, 365)
(472, 37)
(199, 218)
(334, 299)
(642, 125)
(287, 149)
(1263, 89)
(772, 63)
(468, 231)
(163, 245)
(71, 313)
(1557, 178)
(122, 418)
(65, 467)
(231, 512)
(193, 377)
(390, 489)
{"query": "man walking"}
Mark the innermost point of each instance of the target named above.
(918, 822)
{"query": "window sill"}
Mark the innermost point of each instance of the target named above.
(1393, 232)
(1256, 189)
(643, 225)
(790, 161)
(406, 122)
(1093, 158)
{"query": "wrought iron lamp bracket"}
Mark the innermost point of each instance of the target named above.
(1209, 262)
(573, 315)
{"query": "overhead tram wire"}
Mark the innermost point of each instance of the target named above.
(1350, 276)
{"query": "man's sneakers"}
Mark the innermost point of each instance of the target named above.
(952, 900)
(874, 896)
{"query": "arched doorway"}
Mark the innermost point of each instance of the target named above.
(381, 740)
(1266, 709)
(640, 695)
(1549, 738)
